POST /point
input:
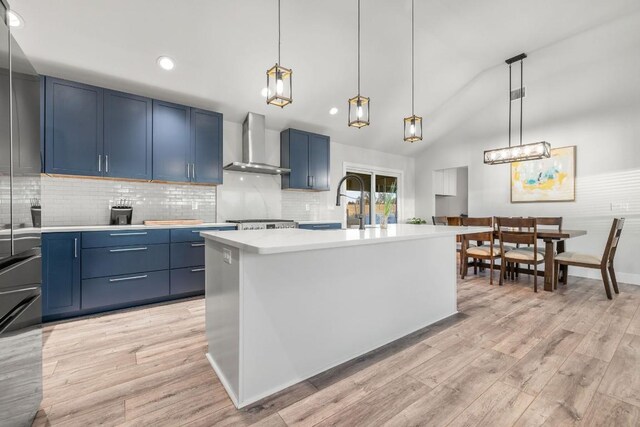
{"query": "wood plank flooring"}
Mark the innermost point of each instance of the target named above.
(510, 357)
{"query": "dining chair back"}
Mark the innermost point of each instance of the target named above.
(486, 236)
(519, 231)
(550, 222)
(612, 242)
(439, 220)
(485, 249)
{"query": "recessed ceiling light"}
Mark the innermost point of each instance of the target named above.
(14, 20)
(166, 63)
(333, 111)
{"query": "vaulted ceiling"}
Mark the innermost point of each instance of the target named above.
(222, 49)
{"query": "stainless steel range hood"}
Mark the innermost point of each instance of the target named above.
(253, 149)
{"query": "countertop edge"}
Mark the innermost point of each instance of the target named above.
(209, 235)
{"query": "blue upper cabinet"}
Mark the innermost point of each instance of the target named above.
(73, 128)
(127, 135)
(171, 142)
(206, 147)
(319, 165)
(308, 156)
(91, 131)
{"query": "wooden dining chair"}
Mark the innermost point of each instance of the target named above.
(604, 263)
(439, 220)
(519, 231)
(485, 250)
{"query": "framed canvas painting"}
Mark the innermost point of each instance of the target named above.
(545, 180)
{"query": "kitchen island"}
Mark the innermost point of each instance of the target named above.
(284, 305)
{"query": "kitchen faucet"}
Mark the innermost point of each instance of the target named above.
(361, 183)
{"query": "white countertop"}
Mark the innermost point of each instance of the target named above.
(294, 240)
(76, 228)
(320, 221)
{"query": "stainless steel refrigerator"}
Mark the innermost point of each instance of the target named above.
(20, 259)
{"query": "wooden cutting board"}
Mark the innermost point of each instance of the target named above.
(173, 222)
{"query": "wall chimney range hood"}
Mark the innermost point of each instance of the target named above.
(253, 149)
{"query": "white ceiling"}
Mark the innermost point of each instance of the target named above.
(222, 49)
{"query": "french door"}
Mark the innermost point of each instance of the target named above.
(379, 186)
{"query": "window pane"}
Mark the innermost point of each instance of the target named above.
(386, 191)
(353, 199)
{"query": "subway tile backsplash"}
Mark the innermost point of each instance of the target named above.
(81, 201)
(78, 201)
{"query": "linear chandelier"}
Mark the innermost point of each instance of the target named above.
(413, 123)
(517, 153)
(279, 79)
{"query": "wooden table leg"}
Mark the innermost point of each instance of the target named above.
(563, 268)
(548, 265)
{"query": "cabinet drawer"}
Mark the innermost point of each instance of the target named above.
(187, 254)
(185, 280)
(102, 239)
(102, 262)
(114, 290)
(327, 226)
(193, 234)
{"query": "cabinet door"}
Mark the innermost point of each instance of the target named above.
(452, 181)
(299, 160)
(60, 273)
(127, 135)
(73, 128)
(319, 162)
(206, 146)
(171, 142)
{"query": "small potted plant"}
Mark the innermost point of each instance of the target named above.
(388, 202)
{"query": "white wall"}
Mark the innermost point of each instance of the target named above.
(245, 195)
(583, 91)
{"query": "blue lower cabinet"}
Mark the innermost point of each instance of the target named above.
(60, 273)
(187, 254)
(193, 234)
(187, 280)
(124, 289)
(324, 226)
(102, 262)
(101, 239)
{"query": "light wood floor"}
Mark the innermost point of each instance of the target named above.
(511, 357)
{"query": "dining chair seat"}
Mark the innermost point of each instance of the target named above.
(523, 254)
(579, 258)
(484, 250)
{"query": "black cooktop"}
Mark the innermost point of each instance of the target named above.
(245, 221)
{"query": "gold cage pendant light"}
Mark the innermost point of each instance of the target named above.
(279, 79)
(359, 105)
(413, 123)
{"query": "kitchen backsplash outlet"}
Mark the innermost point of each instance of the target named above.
(77, 201)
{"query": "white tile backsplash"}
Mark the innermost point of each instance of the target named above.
(78, 201)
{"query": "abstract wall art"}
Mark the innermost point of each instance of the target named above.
(545, 180)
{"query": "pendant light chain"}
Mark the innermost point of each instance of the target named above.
(509, 105)
(521, 99)
(279, 32)
(358, 47)
(412, 58)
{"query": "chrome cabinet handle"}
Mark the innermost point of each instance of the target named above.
(195, 270)
(195, 245)
(122, 279)
(127, 249)
(75, 248)
(106, 163)
(313, 180)
(141, 233)
(188, 171)
(193, 170)
(99, 162)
